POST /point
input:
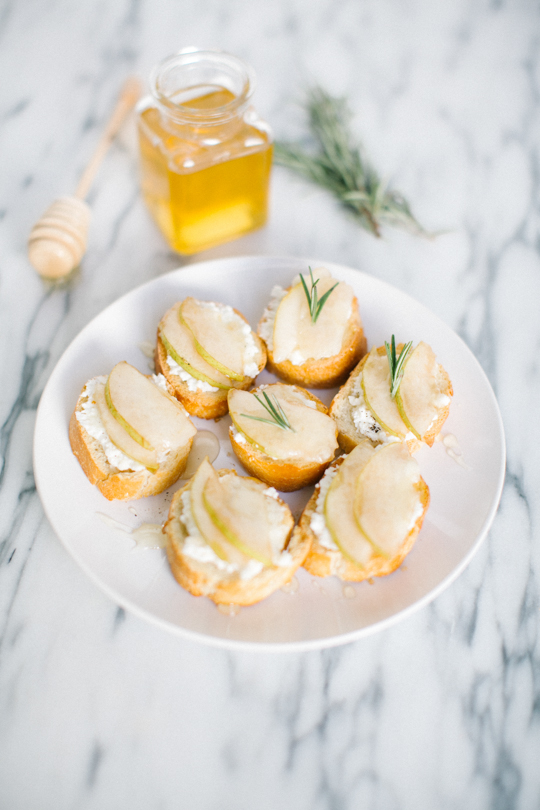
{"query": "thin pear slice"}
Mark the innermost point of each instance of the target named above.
(387, 500)
(150, 416)
(208, 529)
(376, 390)
(180, 344)
(313, 433)
(120, 437)
(420, 390)
(135, 435)
(245, 515)
(338, 509)
(294, 332)
(219, 340)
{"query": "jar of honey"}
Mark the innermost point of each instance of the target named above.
(205, 154)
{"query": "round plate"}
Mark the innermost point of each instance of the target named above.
(322, 612)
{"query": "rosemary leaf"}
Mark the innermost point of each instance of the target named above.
(278, 416)
(315, 305)
(396, 364)
(323, 300)
(338, 166)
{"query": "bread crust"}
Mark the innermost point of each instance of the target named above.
(324, 562)
(286, 476)
(340, 411)
(203, 579)
(204, 404)
(112, 483)
(328, 371)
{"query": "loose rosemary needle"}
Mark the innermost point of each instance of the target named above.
(315, 305)
(274, 409)
(396, 364)
(338, 166)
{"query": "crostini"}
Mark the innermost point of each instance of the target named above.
(131, 438)
(365, 514)
(365, 408)
(313, 331)
(203, 350)
(229, 538)
(282, 434)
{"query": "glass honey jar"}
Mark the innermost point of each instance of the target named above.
(205, 154)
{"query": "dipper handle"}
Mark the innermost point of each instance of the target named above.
(126, 101)
(57, 241)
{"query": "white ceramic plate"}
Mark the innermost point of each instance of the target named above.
(322, 612)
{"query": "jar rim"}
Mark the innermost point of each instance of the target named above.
(189, 59)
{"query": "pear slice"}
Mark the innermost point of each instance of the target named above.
(150, 416)
(420, 390)
(387, 498)
(294, 332)
(219, 340)
(313, 433)
(135, 435)
(180, 344)
(338, 511)
(120, 437)
(376, 389)
(246, 516)
(208, 529)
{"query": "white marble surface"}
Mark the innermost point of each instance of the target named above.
(100, 710)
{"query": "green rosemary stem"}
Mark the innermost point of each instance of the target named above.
(336, 164)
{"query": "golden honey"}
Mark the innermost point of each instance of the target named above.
(205, 155)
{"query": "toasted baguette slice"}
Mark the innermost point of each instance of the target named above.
(326, 372)
(112, 483)
(285, 475)
(205, 579)
(205, 404)
(349, 436)
(324, 562)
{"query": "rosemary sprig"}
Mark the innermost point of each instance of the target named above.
(339, 167)
(312, 296)
(396, 364)
(277, 414)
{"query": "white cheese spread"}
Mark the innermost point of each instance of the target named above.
(418, 511)
(160, 381)
(364, 421)
(297, 358)
(89, 418)
(237, 436)
(318, 522)
(192, 383)
(266, 326)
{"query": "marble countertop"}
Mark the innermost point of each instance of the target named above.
(99, 709)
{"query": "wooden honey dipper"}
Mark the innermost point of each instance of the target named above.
(57, 242)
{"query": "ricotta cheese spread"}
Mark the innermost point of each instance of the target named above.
(192, 383)
(297, 358)
(89, 418)
(318, 523)
(364, 421)
(266, 326)
(237, 436)
(160, 381)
